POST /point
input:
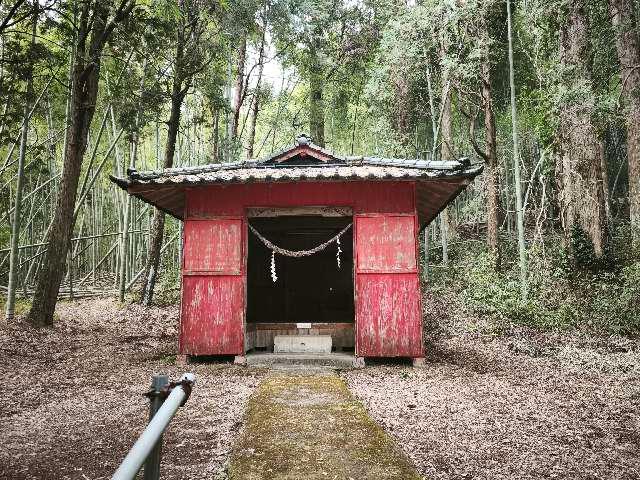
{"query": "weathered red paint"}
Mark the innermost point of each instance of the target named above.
(213, 246)
(386, 243)
(388, 315)
(388, 306)
(363, 197)
(212, 315)
(213, 287)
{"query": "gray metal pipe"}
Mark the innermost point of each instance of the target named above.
(148, 439)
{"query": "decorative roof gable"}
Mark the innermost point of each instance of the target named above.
(303, 153)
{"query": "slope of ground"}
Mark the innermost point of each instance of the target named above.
(71, 403)
(524, 404)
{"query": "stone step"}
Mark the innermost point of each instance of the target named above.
(331, 360)
(302, 344)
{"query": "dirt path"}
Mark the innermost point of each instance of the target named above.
(310, 426)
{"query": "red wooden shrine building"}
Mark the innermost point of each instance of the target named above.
(368, 301)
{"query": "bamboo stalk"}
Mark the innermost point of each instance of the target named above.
(516, 163)
(14, 258)
(139, 274)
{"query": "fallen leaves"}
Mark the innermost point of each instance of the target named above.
(71, 404)
(525, 405)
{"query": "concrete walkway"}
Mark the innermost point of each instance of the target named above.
(308, 426)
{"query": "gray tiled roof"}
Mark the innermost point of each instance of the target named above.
(326, 172)
(333, 168)
(437, 182)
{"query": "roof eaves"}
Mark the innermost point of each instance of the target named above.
(123, 183)
(190, 170)
(455, 165)
(194, 174)
(329, 172)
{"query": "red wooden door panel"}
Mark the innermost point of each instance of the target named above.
(213, 246)
(212, 315)
(213, 288)
(386, 243)
(388, 306)
(388, 315)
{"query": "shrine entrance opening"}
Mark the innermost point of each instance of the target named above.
(294, 296)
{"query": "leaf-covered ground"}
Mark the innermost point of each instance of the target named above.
(492, 403)
(524, 404)
(71, 401)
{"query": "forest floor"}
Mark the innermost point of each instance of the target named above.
(515, 404)
(71, 403)
(522, 404)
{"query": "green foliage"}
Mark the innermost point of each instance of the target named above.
(21, 308)
(599, 301)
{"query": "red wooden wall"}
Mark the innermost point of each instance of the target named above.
(388, 307)
(213, 287)
(388, 320)
(378, 197)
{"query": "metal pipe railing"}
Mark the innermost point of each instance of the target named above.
(148, 444)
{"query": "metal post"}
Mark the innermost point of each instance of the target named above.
(152, 464)
(148, 439)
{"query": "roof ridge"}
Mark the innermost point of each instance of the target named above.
(436, 165)
(305, 141)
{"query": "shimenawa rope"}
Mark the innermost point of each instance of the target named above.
(298, 253)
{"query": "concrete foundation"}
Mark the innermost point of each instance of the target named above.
(306, 360)
(418, 362)
(302, 344)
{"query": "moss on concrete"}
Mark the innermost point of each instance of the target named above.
(311, 427)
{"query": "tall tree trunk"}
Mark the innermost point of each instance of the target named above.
(228, 115)
(255, 106)
(178, 92)
(582, 195)
(253, 120)
(489, 153)
(124, 246)
(316, 104)
(14, 257)
(215, 135)
(490, 157)
(446, 154)
(94, 28)
(238, 89)
(492, 170)
(628, 46)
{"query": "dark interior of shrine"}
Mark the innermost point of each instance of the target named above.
(309, 289)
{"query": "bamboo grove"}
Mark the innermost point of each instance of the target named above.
(546, 93)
